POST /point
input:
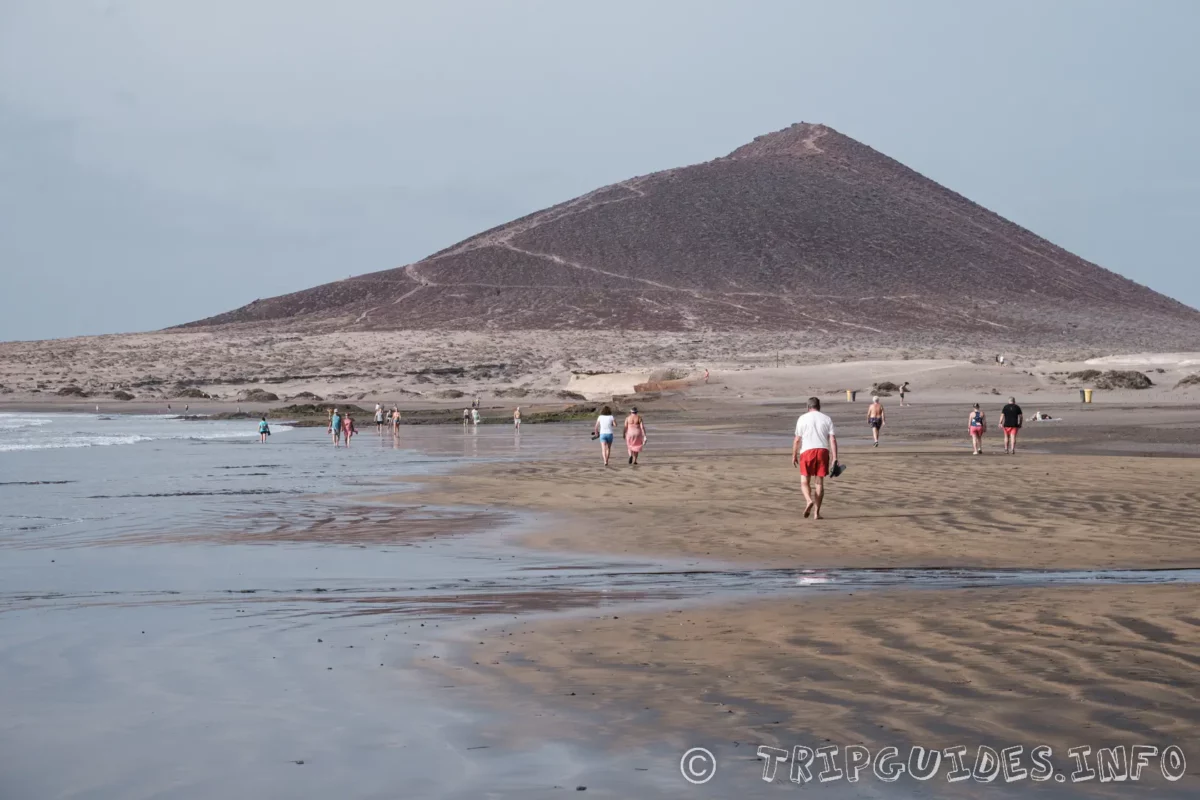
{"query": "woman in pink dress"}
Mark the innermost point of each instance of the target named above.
(348, 427)
(635, 435)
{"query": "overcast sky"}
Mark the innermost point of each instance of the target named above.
(164, 160)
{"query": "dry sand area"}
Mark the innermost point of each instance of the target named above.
(1062, 666)
(431, 367)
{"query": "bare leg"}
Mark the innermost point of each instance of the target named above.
(818, 495)
(808, 500)
(605, 449)
(975, 443)
(875, 434)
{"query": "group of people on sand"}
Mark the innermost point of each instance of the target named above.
(815, 451)
(634, 433)
(1011, 420)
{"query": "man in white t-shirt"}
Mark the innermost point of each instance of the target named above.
(814, 450)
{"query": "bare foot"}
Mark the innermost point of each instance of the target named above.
(808, 509)
(817, 516)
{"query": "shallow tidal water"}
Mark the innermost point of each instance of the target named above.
(186, 613)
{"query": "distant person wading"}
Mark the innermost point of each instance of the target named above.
(335, 427)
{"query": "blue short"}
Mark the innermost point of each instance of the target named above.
(606, 438)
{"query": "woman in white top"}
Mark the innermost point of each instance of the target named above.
(605, 425)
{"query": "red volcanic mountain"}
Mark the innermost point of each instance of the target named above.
(803, 229)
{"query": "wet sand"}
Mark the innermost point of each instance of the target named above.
(912, 506)
(1057, 667)
(1063, 666)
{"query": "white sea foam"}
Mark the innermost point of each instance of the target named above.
(21, 432)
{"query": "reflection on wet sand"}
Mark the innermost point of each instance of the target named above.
(333, 524)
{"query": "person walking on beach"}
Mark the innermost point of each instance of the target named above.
(635, 435)
(395, 421)
(335, 427)
(517, 419)
(264, 430)
(814, 451)
(876, 418)
(977, 427)
(379, 419)
(348, 428)
(603, 430)
(466, 415)
(1011, 419)
(474, 416)
(903, 391)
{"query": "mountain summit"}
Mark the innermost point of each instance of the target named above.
(800, 230)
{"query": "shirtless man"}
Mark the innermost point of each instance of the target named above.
(876, 418)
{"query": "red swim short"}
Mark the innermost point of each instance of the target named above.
(1011, 431)
(815, 462)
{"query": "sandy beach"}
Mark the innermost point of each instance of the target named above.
(904, 506)
(583, 626)
(1062, 666)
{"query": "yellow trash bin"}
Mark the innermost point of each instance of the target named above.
(1087, 395)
